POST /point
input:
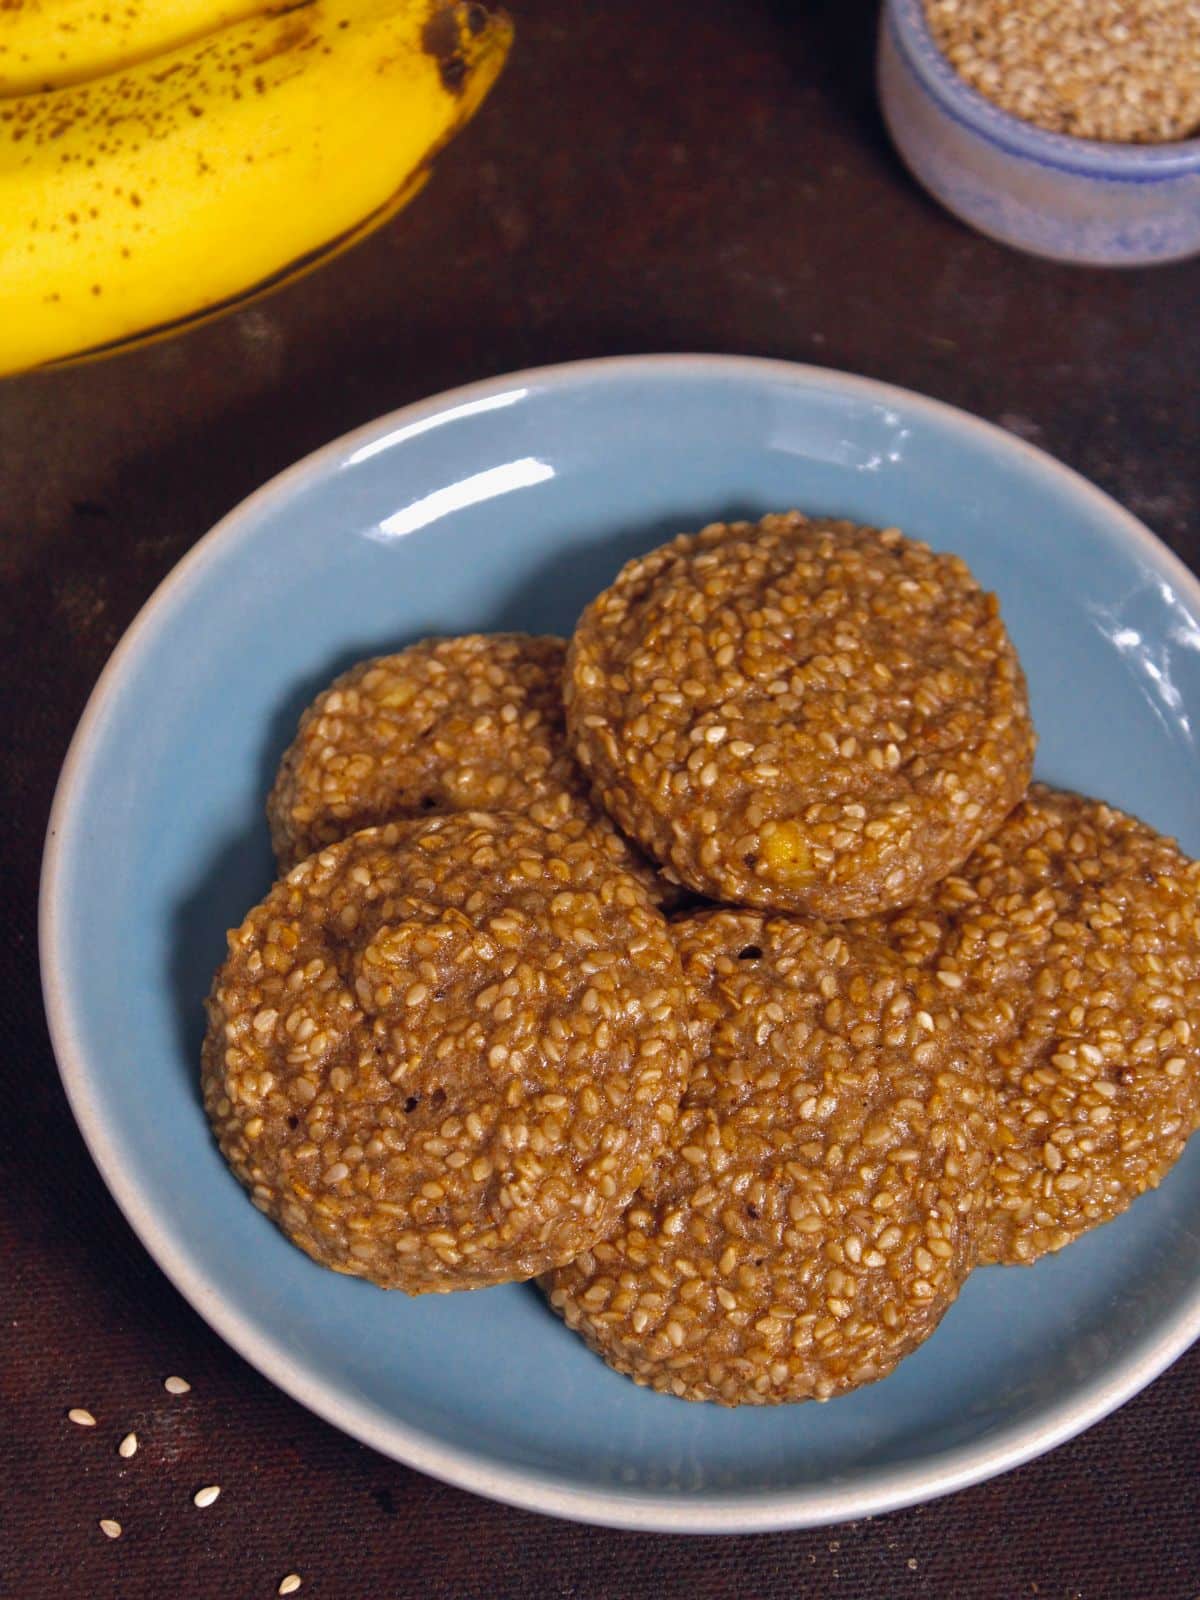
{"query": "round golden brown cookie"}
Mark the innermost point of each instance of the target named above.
(1072, 942)
(459, 724)
(444, 1054)
(814, 1215)
(800, 714)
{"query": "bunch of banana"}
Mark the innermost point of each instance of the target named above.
(163, 159)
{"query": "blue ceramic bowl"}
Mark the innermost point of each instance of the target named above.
(1117, 205)
(508, 505)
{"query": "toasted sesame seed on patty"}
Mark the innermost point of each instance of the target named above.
(1071, 941)
(443, 1054)
(470, 723)
(800, 714)
(814, 1214)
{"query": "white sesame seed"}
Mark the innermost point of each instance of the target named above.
(177, 1385)
(1121, 70)
(128, 1446)
(290, 1584)
(83, 1418)
(205, 1497)
(110, 1528)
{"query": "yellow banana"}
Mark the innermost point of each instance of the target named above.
(45, 44)
(163, 192)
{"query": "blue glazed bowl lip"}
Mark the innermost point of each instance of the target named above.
(811, 1505)
(1085, 158)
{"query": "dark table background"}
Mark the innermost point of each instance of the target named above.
(690, 174)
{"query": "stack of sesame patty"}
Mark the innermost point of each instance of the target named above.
(752, 1152)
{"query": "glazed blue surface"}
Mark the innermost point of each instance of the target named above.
(508, 506)
(1080, 200)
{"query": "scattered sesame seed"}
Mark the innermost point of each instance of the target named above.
(205, 1497)
(177, 1385)
(128, 1446)
(110, 1528)
(83, 1418)
(290, 1584)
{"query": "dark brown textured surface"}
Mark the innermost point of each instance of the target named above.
(708, 175)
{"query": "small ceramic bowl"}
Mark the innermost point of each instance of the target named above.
(1118, 205)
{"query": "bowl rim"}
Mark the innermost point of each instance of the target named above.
(813, 1505)
(1108, 161)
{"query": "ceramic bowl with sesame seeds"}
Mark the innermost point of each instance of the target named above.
(508, 506)
(1126, 200)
